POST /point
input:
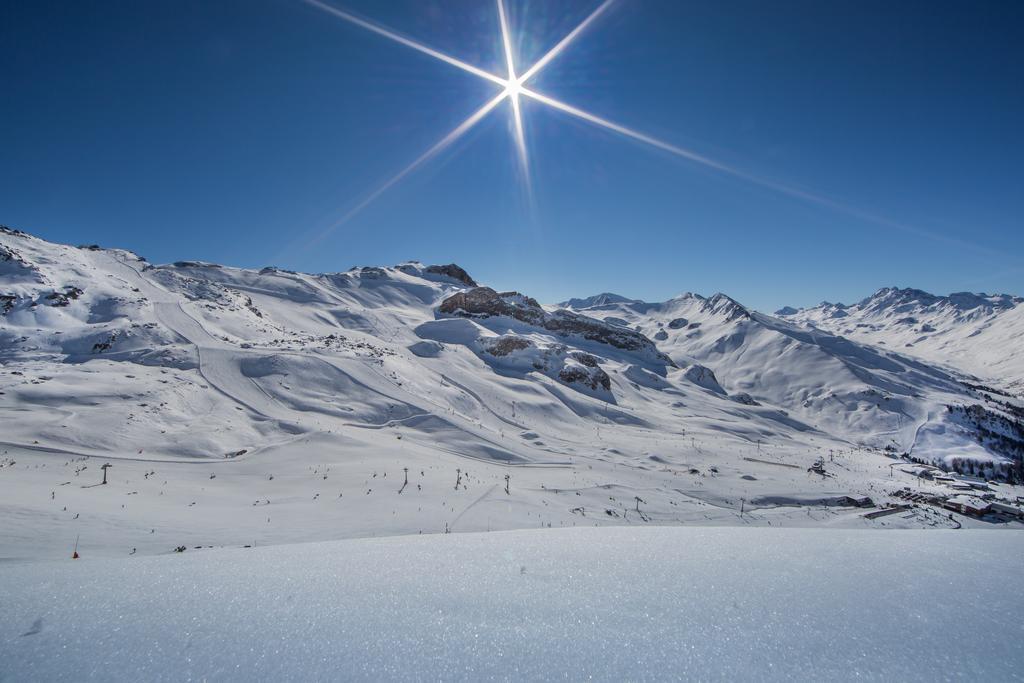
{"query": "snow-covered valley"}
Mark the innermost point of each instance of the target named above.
(242, 407)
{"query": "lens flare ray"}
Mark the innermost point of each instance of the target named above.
(381, 31)
(776, 186)
(513, 89)
(517, 122)
(665, 146)
(440, 146)
(506, 41)
(564, 42)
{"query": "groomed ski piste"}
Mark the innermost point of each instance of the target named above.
(263, 426)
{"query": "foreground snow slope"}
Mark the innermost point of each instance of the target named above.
(612, 604)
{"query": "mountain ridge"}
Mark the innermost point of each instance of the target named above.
(973, 333)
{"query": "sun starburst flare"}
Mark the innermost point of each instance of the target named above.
(514, 88)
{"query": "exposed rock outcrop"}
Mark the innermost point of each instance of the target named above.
(594, 378)
(373, 273)
(745, 399)
(60, 299)
(483, 302)
(506, 345)
(704, 377)
(454, 272)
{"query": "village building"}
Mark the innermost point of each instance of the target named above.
(1007, 509)
(967, 505)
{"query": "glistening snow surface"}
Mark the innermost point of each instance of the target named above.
(655, 603)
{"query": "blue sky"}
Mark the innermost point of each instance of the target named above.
(237, 131)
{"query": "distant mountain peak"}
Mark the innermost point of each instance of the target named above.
(687, 296)
(727, 306)
(887, 297)
(891, 297)
(602, 299)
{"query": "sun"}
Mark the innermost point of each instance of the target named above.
(514, 87)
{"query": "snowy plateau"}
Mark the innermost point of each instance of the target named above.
(683, 489)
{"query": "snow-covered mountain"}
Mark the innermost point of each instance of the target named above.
(977, 335)
(815, 379)
(242, 393)
(604, 299)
